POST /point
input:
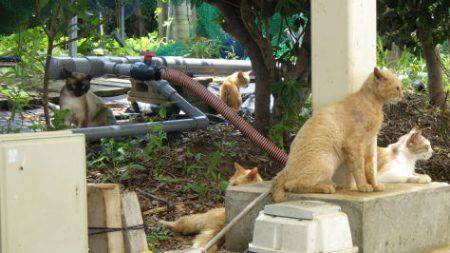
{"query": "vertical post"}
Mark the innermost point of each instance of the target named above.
(169, 24)
(122, 20)
(343, 47)
(73, 34)
(100, 25)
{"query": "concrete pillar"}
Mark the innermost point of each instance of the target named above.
(343, 47)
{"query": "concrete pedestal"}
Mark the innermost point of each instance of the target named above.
(404, 218)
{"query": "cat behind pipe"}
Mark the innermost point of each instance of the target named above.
(86, 108)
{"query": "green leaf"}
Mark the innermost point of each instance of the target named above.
(139, 167)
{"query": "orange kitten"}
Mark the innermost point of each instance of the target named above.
(341, 133)
(208, 224)
(229, 90)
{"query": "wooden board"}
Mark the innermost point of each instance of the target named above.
(135, 240)
(104, 211)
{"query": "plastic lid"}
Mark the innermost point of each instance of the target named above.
(149, 54)
(305, 210)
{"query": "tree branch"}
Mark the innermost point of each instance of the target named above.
(262, 43)
(303, 57)
(39, 18)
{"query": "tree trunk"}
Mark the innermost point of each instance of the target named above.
(140, 22)
(435, 82)
(48, 58)
(51, 33)
(235, 27)
(262, 96)
(162, 16)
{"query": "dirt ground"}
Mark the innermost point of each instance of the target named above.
(166, 192)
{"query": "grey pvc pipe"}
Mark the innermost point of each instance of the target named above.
(95, 133)
(197, 120)
(100, 65)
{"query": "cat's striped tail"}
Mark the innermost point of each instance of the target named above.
(278, 192)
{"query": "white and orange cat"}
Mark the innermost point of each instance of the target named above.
(397, 162)
(207, 225)
(342, 133)
(229, 90)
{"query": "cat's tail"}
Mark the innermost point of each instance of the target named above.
(278, 192)
(203, 238)
(168, 224)
(182, 225)
(189, 224)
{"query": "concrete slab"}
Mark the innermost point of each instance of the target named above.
(441, 250)
(404, 218)
(304, 210)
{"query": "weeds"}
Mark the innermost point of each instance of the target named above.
(294, 109)
(125, 157)
(17, 101)
(157, 234)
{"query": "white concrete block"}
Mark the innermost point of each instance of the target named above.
(335, 234)
(405, 218)
(271, 234)
(328, 232)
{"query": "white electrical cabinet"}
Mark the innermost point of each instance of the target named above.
(43, 193)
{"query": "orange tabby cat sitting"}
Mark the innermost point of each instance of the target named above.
(344, 132)
(207, 225)
(229, 90)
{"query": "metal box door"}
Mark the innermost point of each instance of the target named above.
(43, 193)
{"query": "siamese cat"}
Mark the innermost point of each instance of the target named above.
(86, 109)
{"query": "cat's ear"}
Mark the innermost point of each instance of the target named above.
(377, 74)
(66, 73)
(413, 138)
(239, 168)
(240, 75)
(416, 130)
(252, 174)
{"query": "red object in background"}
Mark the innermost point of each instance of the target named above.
(148, 55)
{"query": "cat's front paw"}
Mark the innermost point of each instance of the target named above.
(365, 188)
(378, 187)
(419, 179)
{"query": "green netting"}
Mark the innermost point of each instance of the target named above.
(207, 25)
(177, 48)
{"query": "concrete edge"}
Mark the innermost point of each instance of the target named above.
(346, 194)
